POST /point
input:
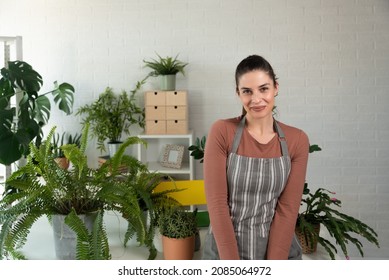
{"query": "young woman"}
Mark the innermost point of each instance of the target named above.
(254, 173)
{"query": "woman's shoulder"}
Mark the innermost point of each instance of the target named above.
(292, 130)
(224, 129)
(227, 123)
(294, 135)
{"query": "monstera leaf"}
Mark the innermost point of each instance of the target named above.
(19, 127)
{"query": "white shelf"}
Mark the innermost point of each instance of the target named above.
(152, 154)
(156, 166)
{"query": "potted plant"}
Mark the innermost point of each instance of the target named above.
(61, 140)
(111, 115)
(178, 228)
(20, 80)
(45, 189)
(198, 148)
(166, 68)
(320, 209)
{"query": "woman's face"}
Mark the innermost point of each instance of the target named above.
(256, 90)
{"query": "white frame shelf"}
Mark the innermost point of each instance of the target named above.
(151, 155)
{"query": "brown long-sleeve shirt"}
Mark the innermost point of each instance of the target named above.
(218, 146)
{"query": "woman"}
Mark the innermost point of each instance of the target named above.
(254, 173)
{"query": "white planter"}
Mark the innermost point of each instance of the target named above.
(113, 147)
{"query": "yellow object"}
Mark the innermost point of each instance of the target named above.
(192, 193)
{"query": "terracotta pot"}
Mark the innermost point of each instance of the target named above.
(178, 249)
(62, 162)
(306, 245)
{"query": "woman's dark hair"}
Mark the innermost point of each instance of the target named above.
(251, 63)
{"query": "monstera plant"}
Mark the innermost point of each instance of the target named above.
(20, 126)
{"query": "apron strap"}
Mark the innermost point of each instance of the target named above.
(238, 135)
(282, 139)
(279, 131)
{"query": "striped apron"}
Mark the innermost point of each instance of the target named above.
(254, 185)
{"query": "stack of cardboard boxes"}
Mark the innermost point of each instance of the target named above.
(166, 112)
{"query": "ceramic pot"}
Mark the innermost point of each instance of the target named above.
(168, 82)
(178, 249)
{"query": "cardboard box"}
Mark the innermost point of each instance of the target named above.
(155, 127)
(176, 98)
(155, 112)
(153, 98)
(177, 126)
(176, 112)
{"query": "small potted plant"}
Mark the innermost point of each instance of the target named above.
(320, 209)
(111, 115)
(61, 140)
(166, 68)
(178, 228)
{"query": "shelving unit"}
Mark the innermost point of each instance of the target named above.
(153, 153)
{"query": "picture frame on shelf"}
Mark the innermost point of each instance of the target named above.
(172, 156)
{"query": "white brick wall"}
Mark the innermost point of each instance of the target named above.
(332, 59)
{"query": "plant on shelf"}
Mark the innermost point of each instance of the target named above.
(178, 228)
(198, 148)
(113, 114)
(167, 68)
(45, 189)
(320, 209)
(20, 80)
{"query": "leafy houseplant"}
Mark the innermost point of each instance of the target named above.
(319, 210)
(46, 189)
(178, 229)
(198, 148)
(167, 68)
(111, 115)
(20, 80)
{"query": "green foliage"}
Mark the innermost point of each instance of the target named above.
(178, 223)
(320, 209)
(165, 66)
(197, 150)
(93, 245)
(43, 188)
(113, 114)
(152, 204)
(64, 139)
(22, 81)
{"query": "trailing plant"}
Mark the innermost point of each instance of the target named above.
(198, 148)
(113, 114)
(19, 127)
(165, 66)
(44, 189)
(321, 208)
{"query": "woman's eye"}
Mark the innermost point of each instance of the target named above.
(263, 89)
(246, 92)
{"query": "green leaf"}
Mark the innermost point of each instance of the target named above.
(63, 94)
(314, 148)
(42, 109)
(23, 76)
